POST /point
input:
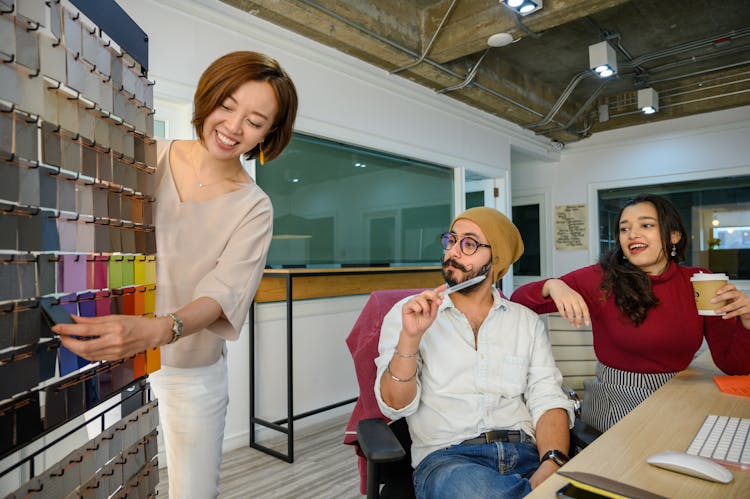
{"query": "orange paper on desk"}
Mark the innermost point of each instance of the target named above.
(735, 385)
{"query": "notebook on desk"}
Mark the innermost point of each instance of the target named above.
(723, 438)
(599, 486)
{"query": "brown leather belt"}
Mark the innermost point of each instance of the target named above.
(509, 436)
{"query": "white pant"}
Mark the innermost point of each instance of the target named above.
(192, 411)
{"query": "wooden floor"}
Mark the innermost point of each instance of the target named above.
(323, 467)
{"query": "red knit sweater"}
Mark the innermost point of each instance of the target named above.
(667, 339)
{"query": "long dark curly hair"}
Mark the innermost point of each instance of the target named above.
(630, 285)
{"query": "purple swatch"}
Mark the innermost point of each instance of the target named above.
(71, 276)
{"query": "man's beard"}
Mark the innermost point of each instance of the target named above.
(452, 282)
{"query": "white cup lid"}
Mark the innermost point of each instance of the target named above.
(702, 276)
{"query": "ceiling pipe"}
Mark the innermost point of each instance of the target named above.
(519, 22)
(580, 111)
(563, 98)
(685, 47)
(677, 104)
(426, 60)
(636, 63)
(677, 91)
(429, 45)
(695, 59)
(469, 77)
(704, 88)
(561, 101)
(585, 130)
(698, 73)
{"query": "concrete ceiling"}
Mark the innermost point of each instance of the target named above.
(694, 53)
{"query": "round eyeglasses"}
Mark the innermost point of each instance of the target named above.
(468, 244)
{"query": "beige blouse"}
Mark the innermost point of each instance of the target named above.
(214, 248)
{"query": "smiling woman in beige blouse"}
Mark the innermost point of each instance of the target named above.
(214, 227)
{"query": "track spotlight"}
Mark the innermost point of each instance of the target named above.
(523, 7)
(602, 59)
(648, 100)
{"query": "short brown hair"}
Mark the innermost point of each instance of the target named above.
(226, 74)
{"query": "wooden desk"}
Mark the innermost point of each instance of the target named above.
(295, 284)
(668, 420)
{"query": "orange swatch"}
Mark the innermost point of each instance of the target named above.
(735, 385)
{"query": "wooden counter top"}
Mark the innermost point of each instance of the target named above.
(329, 282)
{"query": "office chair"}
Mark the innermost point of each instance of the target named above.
(581, 434)
(383, 450)
(383, 446)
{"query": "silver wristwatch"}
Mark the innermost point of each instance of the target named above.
(558, 457)
(177, 328)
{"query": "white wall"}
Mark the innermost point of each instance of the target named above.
(702, 146)
(342, 99)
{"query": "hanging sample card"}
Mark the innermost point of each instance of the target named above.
(28, 323)
(45, 264)
(66, 230)
(9, 276)
(54, 313)
(102, 303)
(50, 236)
(71, 272)
(26, 136)
(6, 325)
(29, 229)
(51, 147)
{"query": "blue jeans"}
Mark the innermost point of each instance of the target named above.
(483, 471)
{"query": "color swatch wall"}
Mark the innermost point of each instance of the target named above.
(77, 162)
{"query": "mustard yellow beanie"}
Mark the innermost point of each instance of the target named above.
(502, 235)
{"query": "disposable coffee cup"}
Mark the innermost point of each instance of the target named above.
(705, 287)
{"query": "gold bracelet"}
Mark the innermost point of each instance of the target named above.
(394, 378)
(405, 356)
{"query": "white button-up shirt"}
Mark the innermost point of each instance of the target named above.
(507, 382)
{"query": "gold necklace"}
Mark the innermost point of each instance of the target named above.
(194, 168)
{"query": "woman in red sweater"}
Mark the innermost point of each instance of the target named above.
(641, 307)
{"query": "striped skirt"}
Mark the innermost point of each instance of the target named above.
(614, 393)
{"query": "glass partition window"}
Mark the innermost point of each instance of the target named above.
(716, 214)
(336, 204)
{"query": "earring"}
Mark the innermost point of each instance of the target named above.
(673, 253)
(261, 156)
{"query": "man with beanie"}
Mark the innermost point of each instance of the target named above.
(473, 374)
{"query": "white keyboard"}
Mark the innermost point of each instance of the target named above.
(723, 438)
